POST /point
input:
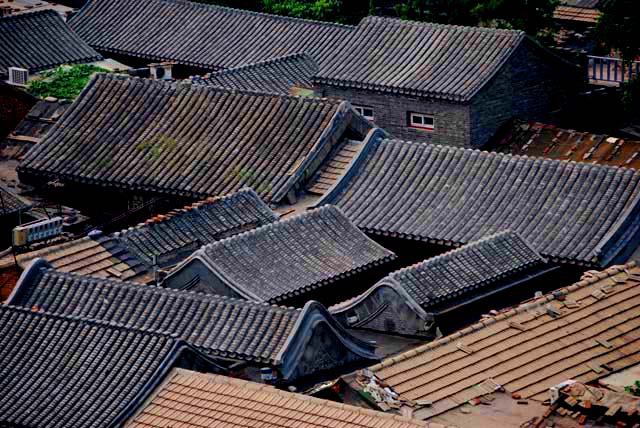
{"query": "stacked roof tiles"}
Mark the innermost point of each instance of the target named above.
(582, 332)
(285, 259)
(277, 75)
(10, 203)
(205, 36)
(569, 212)
(39, 41)
(419, 59)
(186, 140)
(538, 139)
(129, 255)
(221, 327)
(60, 372)
(453, 278)
(189, 400)
(34, 126)
(172, 237)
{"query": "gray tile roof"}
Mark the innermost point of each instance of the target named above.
(419, 59)
(474, 266)
(211, 37)
(174, 236)
(583, 3)
(10, 203)
(40, 40)
(61, 372)
(276, 75)
(569, 212)
(218, 326)
(36, 124)
(292, 256)
(185, 140)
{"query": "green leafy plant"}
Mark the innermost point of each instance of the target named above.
(65, 82)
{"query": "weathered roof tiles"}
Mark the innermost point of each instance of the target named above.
(205, 36)
(40, 40)
(218, 326)
(60, 372)
(285, 259)
(187, 140)
(419, 59)
(278, 75)
(189, 400)
(582, 332)
(569, 212)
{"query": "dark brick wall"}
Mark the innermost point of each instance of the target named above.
(390, 111)
(530, 85)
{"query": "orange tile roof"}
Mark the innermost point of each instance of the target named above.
(571, 13)
(189, 400)
(580, 332)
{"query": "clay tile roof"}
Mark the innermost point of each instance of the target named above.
(190, 399)
(40, 40)
(206, 36)
(185, 140)
(276, 75)
(476, 265)
(538, 139)
(423, 59)
(581, 332)
(569, 212)
(60, 372)
(128, 255)
(581, 14)
(11, 203)
(583, 3)
(292, 256)
(219, 326)
(173, 237)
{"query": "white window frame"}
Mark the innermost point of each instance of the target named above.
(360, 110)
(413, 123)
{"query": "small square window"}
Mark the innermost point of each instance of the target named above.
(422, 121)
(366, 112)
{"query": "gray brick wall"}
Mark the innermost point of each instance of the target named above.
(529, 86)
(390, 111)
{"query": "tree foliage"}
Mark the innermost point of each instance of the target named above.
(618, 27)
(64, 82)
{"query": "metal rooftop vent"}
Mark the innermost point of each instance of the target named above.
(18, 76)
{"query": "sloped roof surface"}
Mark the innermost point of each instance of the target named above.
(222, 327)
(573, 13)
(206, 36)
(275, 75)
(424, 59)
(569, 212)
(190, 399)
(102, 256)
(467, 268)
(189, 228)
(572, 335)
(292, 256)
(182, 139)
(583, 3)
(60, 372)
(39, 41)
(37, 123)
(11, 203)
(538, 139)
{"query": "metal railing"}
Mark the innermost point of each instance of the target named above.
(606, 69)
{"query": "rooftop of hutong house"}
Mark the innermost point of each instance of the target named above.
(284, 260)
(268, 142)
(200, 35)
(221, 327)
(39, 41)
(569, 212)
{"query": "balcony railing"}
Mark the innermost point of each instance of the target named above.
(611, 70)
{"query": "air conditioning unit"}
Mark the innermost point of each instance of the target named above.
(161, 71)
(36, 231)
(18, 76)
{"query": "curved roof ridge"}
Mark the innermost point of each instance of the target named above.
(439, 25)
(507, 313)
